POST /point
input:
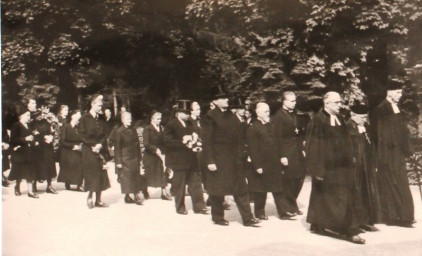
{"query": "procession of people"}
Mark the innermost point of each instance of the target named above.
(357, 166)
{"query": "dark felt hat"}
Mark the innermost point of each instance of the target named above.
(220, 95)
(237, 102)
(394, 85)
(20, 110)
(359, 109)
(183, 106)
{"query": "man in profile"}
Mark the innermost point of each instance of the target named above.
(329, 158)
(392, 145)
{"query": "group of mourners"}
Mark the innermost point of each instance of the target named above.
(357, 166)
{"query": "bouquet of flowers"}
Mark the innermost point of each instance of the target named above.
(193, 142)
(45, 114)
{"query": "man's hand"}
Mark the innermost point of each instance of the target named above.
(260, 171)
(212, 167)
(284, 161)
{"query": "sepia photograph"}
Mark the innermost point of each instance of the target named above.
(211, 127)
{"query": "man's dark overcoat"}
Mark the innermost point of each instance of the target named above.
(265, 153)
(178, 155)
(392, 146)
(223, 146)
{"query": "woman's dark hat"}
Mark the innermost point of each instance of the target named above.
(183, 106)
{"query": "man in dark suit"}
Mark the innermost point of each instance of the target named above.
(179, 141)
(290, 140)
(266, 174)
(392, 146)
(222, 143)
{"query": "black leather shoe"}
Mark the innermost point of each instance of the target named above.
(101, 204)
(90, 203)
(17, 191)
(221, 222)
(51, 190)
(33, 195)
(182, 212)
(356, 239)
(287, 216)
(67, 186)
(166, 197)
(203, 211)
(129, 200)
(5, 183)
(263, 217)
(251, 223)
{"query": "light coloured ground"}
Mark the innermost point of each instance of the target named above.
(63, 225)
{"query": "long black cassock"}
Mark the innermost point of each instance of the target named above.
(392, 144)
(329, 155)
(366, 198)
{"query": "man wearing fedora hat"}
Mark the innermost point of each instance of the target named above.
(222, 143)
(180, 157)
(392, 145)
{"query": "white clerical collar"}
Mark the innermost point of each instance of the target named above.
(288, 110)
(396, 109)
(334, 120)
(263, 121)
(361, 129)
(241, 119)
(181, 121)
(155, 126)
(93, 114)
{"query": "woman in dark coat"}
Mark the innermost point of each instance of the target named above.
(45, 151)
(71, 153)
(91, 130)
(22, 142)
(128, 159)
(154, 155)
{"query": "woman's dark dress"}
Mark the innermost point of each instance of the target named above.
(70, 160)
(153, 165)
(45, 152)
(22, 162)
(92, 133)
(127, 152)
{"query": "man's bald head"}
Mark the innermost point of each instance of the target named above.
(262, 111)
(332, 102)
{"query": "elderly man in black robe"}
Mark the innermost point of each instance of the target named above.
(392, 144)
(222, 145)
(330, 164)
(366, 198)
